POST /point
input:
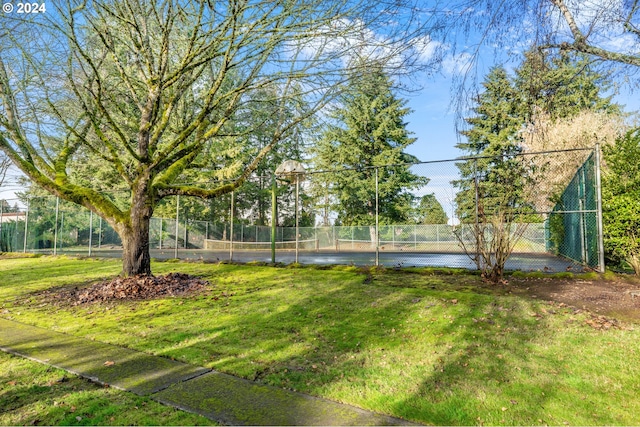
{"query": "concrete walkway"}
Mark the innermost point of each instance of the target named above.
(219, 397)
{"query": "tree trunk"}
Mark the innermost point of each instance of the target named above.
(135, 235)
(135, 244)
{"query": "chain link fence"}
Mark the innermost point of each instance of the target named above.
(430, 220)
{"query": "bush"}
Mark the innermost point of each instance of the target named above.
(621, 201)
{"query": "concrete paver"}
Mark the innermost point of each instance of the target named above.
(224, 398)
(118, 367)
(220, 397)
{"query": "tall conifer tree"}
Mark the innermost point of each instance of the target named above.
(493, 135)
(368, 131)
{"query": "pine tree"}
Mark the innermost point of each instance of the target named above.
(368, 131)
(560, 85)
(430, 211)
(492, 186)
(493, 136)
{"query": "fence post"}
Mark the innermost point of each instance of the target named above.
(26, 228)
(160, 238)
(231, 231)
(601, 266)
(55, 228)
(100, 234)
(274, 217)
(582, 198)
(1, 220)
(377, 224)
(297, 218)
(479, 262)
(90, 230)
(175, 253)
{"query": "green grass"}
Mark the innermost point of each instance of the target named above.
(34, 394)
(430, 346)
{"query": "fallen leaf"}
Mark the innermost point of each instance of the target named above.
(109, 363)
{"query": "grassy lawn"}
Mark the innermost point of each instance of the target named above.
(432, 348)
(35, 394)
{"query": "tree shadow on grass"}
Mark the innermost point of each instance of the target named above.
(356, 342)
(418, 347)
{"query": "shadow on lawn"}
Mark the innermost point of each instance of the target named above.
(350, 342)
(482, 377)
(407, 345)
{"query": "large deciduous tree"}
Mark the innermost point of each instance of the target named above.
(157, 91)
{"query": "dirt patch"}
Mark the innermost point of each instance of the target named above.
(619, 299)
(131, 288)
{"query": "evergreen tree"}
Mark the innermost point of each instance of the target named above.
(430, 211)
(492, 194)
(560, 85)
(493, 136)
(369, 131)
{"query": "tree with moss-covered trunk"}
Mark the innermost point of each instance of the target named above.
(155, 91)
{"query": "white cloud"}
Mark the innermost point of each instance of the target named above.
(346, 39)
(458, 63)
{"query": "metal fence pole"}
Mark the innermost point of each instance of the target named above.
(100, 234)
(274, 218)
(377, 223)
(601, 266)
(177, 225)
(160, 238)
(1, 218)
(297, 218)
(26, 228)
(231, 231)
(55, 228)
(477, 220)
(90, 230)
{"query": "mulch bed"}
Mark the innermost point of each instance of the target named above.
(614, 299)
(133, 288)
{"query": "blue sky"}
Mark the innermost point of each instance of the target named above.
(433, 122)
